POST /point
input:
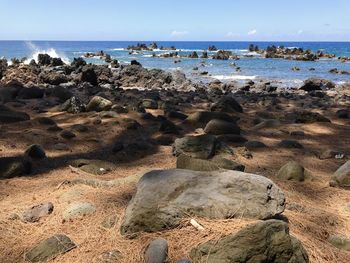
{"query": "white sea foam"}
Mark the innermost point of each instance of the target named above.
(51, 52)
(147, 56)
(233, 77)
(118, 49)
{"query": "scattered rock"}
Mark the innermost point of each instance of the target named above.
(219, 127)
(341, 177)
(250, 145)
(9, 116)
(227, 104)
(110, 221)
(67, 134)
(50, 248)
(343, 114)
(201, 118)
(201, 147)
(164, 198)
(14, 166)
(272, 243)
(309, 117)
(96, 167)
(113, 256)
(317, 84)
(77, 210)
(36, 212)
(98, 103)
(292, 171)
(340, 242)
(36, 152)
(289, 144)
(157, 251)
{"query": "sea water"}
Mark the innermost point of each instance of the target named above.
(253, 68)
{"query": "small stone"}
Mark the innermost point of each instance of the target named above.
(341, 177)
(67, 134)
(77, 210)
(340, 242)
(113, 256)
(292, 171)
(50, 248)
(61, 147)
(36, 212)
(35, 151)
(157, 251)
(250, 145)
(289, 144)
(71, 195)
(110, 221)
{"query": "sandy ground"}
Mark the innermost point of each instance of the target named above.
(321, 214)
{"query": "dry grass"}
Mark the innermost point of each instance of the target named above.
(322, 212)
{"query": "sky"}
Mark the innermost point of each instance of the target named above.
(175, 20)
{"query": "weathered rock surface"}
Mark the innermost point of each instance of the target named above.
(34, 213)
(292, 171)
(14, 166)
(50, 248)
(219, 127)
(35, 151)
(9, 116)
(77, 210)
(341, 177)
(98, 103)
(200, 119)
(96, 167)
(340, 242)
(201, 147)
(227, 104)
(157, 251)
(165, 197)
(267, 241)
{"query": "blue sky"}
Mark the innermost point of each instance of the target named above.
(180, 20)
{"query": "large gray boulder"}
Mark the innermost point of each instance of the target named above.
(267, 241)
(165, 197)
(201, 147)
(341, 177)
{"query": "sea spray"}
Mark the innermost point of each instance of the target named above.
(35, 51)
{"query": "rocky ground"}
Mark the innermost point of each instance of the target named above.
(89, 156)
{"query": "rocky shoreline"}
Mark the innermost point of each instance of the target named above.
(157, 167)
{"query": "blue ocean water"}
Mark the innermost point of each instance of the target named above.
(251, 68)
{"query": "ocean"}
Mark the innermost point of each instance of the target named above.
(253, 68)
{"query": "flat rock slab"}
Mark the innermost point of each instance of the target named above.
(267, 241)
(34, 213)
(165, 197)
(201, 147)
(14, 166)
(96, 167)
(77, 210)
(50, 248)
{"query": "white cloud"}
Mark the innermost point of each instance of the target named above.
(231, 34)
(300, 31)
(179, 33)
(252, 32)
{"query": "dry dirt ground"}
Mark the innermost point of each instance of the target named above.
(321, 208)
